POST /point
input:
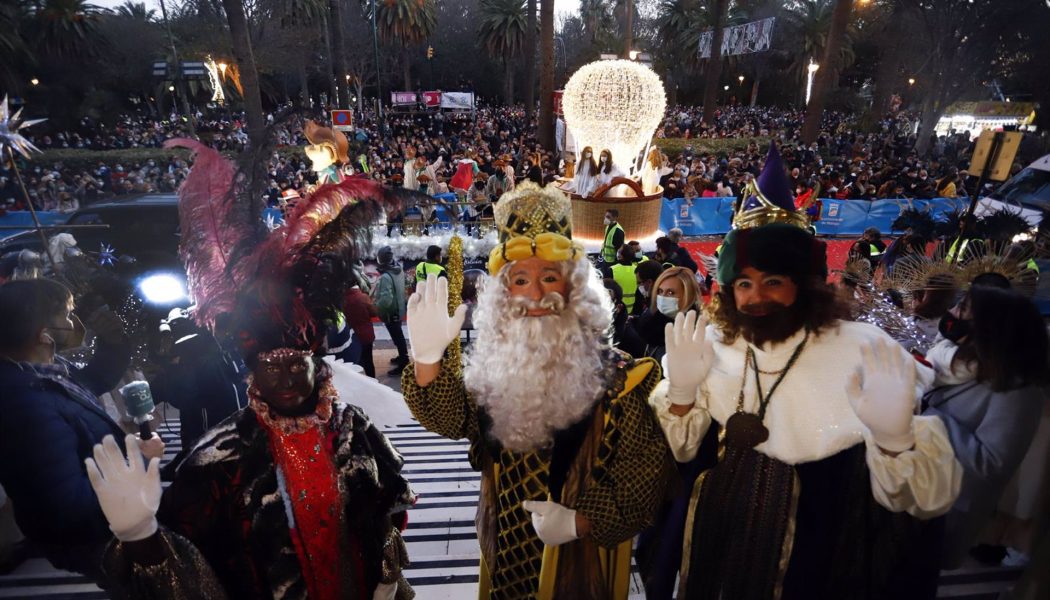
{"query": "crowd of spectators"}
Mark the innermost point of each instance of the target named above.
(843, 163)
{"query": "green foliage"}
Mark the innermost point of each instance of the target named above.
(406, 22)
(502, 27)
(89, 159)
(673, 147)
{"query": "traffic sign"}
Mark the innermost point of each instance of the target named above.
(343, 120)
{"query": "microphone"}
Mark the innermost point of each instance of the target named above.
(139, 403)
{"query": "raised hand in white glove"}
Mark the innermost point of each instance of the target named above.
(554, 523)
(882, 393)
(430, 329)
(385, 591)
(689, 357)
(128, 492)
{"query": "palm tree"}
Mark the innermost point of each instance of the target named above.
(241, 44)
(810, 24)
(545, 135)
(827, 75)
(714, 65)
(136, 11)
(338, 55)
(407, 22)
(14, 51)
(68, 28)
(502, 32)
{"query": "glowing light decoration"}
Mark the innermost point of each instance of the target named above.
(216, 71)
(614, 104)
(811, 73)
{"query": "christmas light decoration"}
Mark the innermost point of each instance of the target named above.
(215, 78)
(454, 271)
(614, 105)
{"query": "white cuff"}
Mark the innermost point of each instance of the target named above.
(685, 433)
(139, 532)
(923, 481)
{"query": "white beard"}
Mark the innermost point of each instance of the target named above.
(535, 376)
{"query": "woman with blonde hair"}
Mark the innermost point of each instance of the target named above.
(675, 291)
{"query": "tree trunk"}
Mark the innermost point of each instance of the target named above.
(545, 134)
(932, 111)
(333, 92)
(406, 71)
(304, 82)
(242, 53)
(714, 64)
(508, 82)
(828, 72)
(628, 38)
(335, 23)
(754, 91)
(530, 61)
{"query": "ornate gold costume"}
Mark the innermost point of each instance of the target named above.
(616, 480)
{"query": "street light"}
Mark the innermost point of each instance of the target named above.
(726, 88)
(812, 70)
(171, 88)
(222, 68)
(911, 81)
(740, 79)
(34, 81)
(633, 54)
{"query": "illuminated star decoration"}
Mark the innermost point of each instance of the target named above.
(9, 127)
(272, 223)
(106, 255)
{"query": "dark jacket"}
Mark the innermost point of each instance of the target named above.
(46, 432)
(681, 258)
(644, 335)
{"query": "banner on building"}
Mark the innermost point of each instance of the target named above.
(756, 36)
(557, 102)
(457, 100)
(402, 98)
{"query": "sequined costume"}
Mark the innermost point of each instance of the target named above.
(229, 518)
(612, 467)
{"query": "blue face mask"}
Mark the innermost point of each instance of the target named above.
(667, 306)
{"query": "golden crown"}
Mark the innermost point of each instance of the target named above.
(530, 210)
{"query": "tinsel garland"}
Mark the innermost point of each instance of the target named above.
(414, 247)
(454, 271)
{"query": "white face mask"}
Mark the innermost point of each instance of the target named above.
(586, 154)
(667, 305)
(608, 221)
(602, 160)
(644, 291)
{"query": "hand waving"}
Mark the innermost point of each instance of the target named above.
(430, 328)
(882, 393)
(128, 493)
(689, 356)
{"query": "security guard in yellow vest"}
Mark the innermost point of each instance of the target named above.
(431, 265)
(623, 274)
(614, 236)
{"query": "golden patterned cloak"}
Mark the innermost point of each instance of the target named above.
(616, 478)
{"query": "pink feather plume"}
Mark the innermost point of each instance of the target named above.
(216, 231)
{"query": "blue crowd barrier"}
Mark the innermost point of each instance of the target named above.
(23, 218)
(713, 216)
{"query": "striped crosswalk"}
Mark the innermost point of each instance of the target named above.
(441, 537)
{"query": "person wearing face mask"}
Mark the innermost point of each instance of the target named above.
(614, 236)
(51, 416)
(674, 290)
(607, 169)
(991, 369)
(584, 180)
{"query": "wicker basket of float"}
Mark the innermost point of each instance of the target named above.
(639, 213)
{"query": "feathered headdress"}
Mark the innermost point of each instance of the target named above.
(280, 288)
(920, 222)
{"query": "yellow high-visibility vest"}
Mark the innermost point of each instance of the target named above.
(624, 276)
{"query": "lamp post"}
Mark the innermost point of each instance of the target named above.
(34, 81)
(812, 72)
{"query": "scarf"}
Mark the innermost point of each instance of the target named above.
(941, 357)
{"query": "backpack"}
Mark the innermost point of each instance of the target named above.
(385, 298)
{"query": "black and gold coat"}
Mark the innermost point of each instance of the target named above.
(225, 526)
(612, 467)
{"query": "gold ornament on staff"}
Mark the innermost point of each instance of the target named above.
(454, 270)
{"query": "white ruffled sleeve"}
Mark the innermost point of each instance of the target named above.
(923, 481)
(683, 434)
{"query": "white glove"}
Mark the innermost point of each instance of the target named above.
(688, 358)
(430, 329)
(882, 393)
(128, 493)
(554, 523)
(385, 591)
